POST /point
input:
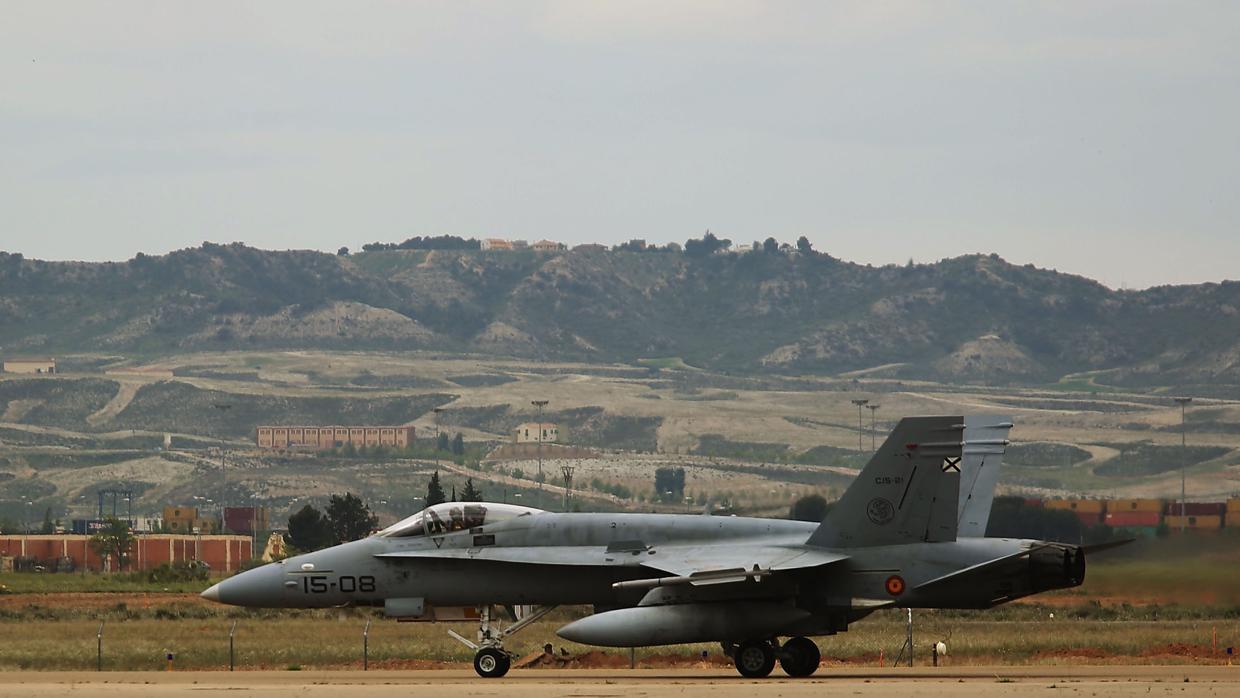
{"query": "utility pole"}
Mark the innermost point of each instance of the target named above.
(860, 403)
(1183, 402)
(436, 410)
(567, 470)
(872, 408)
(540, 404)
(223, 408)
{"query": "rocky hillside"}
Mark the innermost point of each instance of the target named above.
(972, 318)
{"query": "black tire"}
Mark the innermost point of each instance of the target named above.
(491, 663)
(755, 660)
(799, 657)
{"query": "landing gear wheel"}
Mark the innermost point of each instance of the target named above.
(799, 657)
(755, 660)
(491, 663)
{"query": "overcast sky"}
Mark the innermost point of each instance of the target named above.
(1096, 138)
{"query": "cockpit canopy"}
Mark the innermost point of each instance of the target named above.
(454, 516)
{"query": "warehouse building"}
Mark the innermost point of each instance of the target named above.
(187, 520)
(327, 438)
(247, 520)
(38, 366)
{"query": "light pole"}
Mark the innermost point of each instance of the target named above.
(1183, 402)
(223, 408)
(860, 402)
(436, 410)
(872, 409)
(540, 404)
(567, 470)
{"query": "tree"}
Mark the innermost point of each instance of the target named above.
(770, 246)
(458, 444)
(470, 493)
(48, 526)
(308, 530)
(707, 246)
(804, 246)
(114, 540)
(441, 442)
(434, 491)
(349, 518)
(343, 252)
(669, 484)
(811, 507)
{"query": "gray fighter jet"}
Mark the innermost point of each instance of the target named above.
(907, 533)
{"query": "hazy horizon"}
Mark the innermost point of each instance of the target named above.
(1096, 139)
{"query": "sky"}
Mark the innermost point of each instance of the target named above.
(1097, 138)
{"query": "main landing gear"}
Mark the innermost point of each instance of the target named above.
(755, 659)
(491, 660)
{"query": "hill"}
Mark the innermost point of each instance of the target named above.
(971, 319)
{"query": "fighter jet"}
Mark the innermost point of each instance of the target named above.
(906, 533)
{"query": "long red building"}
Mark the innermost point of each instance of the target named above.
(222, 553)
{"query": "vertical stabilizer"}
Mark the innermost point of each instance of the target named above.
(985, 441)
(907, 493)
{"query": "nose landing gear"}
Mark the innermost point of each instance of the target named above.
(491, 660)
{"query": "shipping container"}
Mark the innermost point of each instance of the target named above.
(1092, 506)
(1033, 502)
(1154, 505)
(1089, 518)
(1132, 518)
(1233, 505)
(1089, 506)
(1195, 508)
(1205, 522)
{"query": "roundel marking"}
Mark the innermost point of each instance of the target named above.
(895, 585)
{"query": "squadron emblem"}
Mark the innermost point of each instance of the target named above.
(880, 511)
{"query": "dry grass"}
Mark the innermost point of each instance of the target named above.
(325, 641)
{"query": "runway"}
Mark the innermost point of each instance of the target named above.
(967, 682)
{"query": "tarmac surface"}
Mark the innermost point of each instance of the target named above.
(946, 682)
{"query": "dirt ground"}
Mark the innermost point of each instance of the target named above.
(657, 683)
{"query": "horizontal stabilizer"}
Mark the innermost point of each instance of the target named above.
(962, 578)
(1099, 547)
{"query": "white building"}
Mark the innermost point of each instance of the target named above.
(535, 433)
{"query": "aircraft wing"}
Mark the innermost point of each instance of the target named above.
(686, 561)
(674, 560)
(582, 555)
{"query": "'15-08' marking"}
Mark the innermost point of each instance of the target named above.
(318, 584)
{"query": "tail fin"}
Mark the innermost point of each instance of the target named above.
(907, 493)
(985, 440)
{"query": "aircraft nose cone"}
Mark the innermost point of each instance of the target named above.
(212, 594)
